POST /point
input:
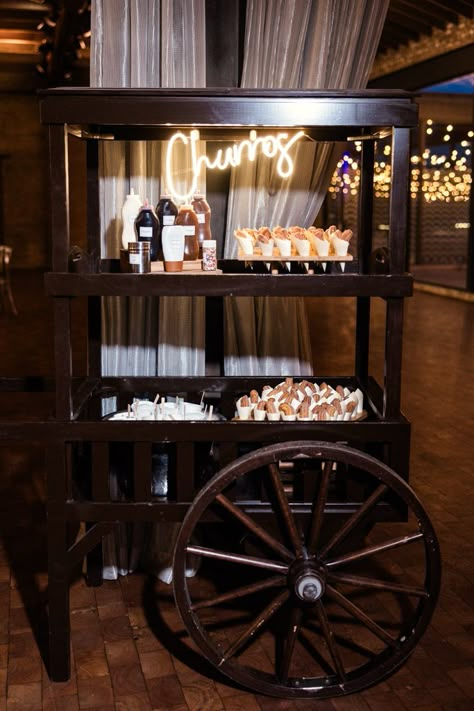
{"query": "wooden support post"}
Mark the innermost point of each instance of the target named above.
(93, 245)
(58, 571)
(399, 199)
(63, 358)
(142, 471)
(59, 183)
(100, 470)
(393, 358)
(185, 471)
(364, 249)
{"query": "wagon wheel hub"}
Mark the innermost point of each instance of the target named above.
(310, 587)
(308, 580)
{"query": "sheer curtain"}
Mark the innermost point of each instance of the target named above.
(129, 49)
(144, 43)
(307, 44)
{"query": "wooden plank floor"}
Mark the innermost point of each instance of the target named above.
(119, 662)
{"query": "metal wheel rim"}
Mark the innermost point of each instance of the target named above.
(384, 663)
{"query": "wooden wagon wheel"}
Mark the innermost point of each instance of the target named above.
(314, 624)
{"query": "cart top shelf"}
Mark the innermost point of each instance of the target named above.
(342, 114)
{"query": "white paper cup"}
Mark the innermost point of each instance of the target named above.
(284, 246)
(259, 415)
(144, 410)
(295, 403)
(302, 246)
(273, 416)
(321, 247)
(360, 400)
(246, 244)
(288, 418)
(244, 412)
(340, 246)
(266, 247)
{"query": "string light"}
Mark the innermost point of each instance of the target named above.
(445, 178)
(60, 50)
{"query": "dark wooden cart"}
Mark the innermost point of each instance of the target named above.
(302, 566)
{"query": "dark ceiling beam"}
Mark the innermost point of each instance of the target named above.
(394, 35)
(422, 10)
(412, 18)
(393, 24)
(440, 9)
(433, 71)
(27, 12)
(400, 26)
(462, 7)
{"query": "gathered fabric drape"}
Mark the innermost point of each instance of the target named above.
(144, 43)
(306, 44)
(129, 49)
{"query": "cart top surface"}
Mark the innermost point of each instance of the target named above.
(231, 108)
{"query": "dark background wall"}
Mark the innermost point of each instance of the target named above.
(25, 174)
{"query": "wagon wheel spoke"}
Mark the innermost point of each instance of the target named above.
(372, 550)
(240, 592)
(289, 644)
(254, 528)
(318, 509)
(251, 631)
(237, 558)
(361, 616)
(285, 510)
(354, 520)
(330, 641)
(371, 583)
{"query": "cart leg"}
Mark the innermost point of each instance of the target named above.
(94, 564)
(58, 599)
(58, 575)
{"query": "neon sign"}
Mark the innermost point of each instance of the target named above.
(269, 146)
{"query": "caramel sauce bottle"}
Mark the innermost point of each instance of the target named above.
(188, 219)
(203, 212)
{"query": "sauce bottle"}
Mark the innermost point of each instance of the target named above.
(130, 210)
(203, 212)
(188, 219)
(166, 212)
(147, 228)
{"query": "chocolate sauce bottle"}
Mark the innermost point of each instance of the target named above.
(166, 211)
(147, 228)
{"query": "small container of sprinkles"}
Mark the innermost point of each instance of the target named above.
(209, 256)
